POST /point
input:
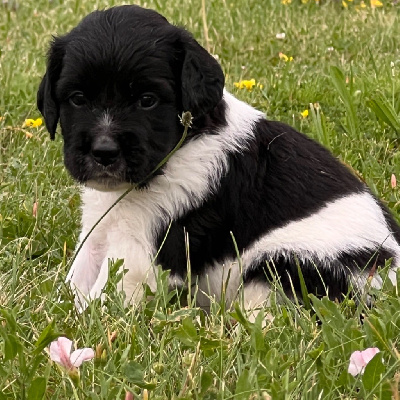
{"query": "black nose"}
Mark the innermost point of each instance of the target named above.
(105, 151)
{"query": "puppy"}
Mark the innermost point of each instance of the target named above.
(118, 83)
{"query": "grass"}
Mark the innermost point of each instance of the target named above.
(345, 71)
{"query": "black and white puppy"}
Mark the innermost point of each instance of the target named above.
(118, 83)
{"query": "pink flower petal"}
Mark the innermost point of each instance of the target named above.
(129, 396)
(369, 354)
(360, 359)
(356, 363)
(393, 181)
(81, 355)
(55, 352)
(60, 351)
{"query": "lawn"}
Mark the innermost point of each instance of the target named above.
(334, 75)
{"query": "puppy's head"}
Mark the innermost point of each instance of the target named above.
(118, 83)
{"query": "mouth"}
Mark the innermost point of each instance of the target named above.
(114, 177)
(106, 178)
(106, 184)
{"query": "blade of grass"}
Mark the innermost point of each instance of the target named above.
(339, 82)
(384, 111)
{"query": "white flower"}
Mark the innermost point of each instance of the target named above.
(360, 359)
(60, 352)
(280, 35)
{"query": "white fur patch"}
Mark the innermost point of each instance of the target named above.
(351, 223)
(217, 281)
(128, 231)
(226, 280)
(106, 121)
(255, 294)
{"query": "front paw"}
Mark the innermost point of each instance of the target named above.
(87, 273)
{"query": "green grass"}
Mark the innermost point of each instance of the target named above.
(346, 62)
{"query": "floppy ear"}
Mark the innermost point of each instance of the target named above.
(46, 99)
(202, 79)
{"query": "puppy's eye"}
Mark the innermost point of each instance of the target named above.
(148, 101)
(78, 99)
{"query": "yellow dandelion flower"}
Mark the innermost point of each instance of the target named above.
(286, 2)
(33, 123)
(38, 122)
(344, 4)
(28, 122)
(285, 58)
(304, 114)
(245, 84)
(376, 3)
